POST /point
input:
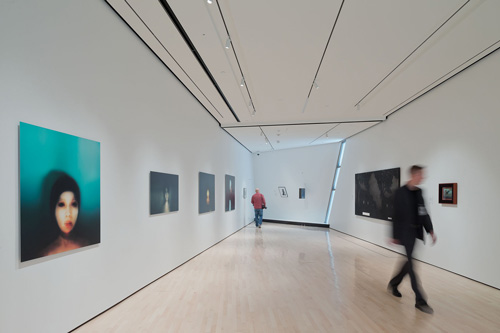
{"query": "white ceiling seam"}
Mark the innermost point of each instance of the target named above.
(161, 24)
(457, 70)
(324, 52)
(231, 47)
(324, 134)
(188, 41)
(413, 52)
(142, 31)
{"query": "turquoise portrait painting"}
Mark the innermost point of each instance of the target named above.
(60, 192)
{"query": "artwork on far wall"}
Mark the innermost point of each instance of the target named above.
(282, 191)
(163, 193)
(302, 193)
(60, 192)
(206, 196)
(448, 193)
(374, 193)
(229, 191)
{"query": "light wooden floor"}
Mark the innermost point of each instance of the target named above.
(285, 278)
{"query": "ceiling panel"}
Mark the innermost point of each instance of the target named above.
(205, 27)
(280, 44)
(285, 137)
(466, 38)
(344, 131)
(370, 40)
(259, 139)
(153, 25)
(381, 55)
(251, 137)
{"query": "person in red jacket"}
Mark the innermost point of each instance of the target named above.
(259, 203)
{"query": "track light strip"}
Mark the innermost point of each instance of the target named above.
(235, 55)
(165, 49)
(191, 46)
(326, 47)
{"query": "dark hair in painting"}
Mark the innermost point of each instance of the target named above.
(63, 184)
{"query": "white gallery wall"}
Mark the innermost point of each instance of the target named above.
(311, 168)
(75, 67)
(453, 131)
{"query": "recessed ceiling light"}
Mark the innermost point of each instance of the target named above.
(209, 2)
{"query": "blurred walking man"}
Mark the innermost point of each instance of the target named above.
(410, 220)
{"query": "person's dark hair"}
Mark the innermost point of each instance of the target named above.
(416, 168)
(64, 184)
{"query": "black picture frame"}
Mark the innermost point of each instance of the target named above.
(374, 193)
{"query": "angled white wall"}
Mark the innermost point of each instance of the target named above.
(75, 67)
(454, 132)
(311, 168)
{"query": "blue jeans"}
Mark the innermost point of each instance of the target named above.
(258, 217)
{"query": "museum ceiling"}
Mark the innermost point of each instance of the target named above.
(279, 74)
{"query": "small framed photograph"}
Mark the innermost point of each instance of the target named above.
(302, 193)
(282, 191)
(448, 193)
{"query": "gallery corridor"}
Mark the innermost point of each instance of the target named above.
(284, 278)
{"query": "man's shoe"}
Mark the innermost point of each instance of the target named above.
(424, 307)
(394, 290)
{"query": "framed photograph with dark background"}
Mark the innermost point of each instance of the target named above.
(206, 196)
(448, 193)
(374, 193)
(163, 193)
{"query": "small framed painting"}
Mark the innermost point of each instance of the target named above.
(448, 193)
(282, 191)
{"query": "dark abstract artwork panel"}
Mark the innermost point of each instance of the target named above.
(229, 191)
(206, 196)
(374, 193)
(163, 193)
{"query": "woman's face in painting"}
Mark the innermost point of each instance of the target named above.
(66, 212)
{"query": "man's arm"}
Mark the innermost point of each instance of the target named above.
(426, 219)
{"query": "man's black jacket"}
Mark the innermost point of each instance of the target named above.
(410, 216)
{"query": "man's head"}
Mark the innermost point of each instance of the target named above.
(256, 190)
(417, 175)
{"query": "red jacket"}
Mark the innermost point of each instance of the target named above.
(258, 200)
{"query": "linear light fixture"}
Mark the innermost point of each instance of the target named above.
(228, 43)
(250, 104)
(242, 83)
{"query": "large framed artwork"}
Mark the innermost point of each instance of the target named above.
(206, 195)
(60, 192)
(163, 193)
(229, 193)
(374, 193)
